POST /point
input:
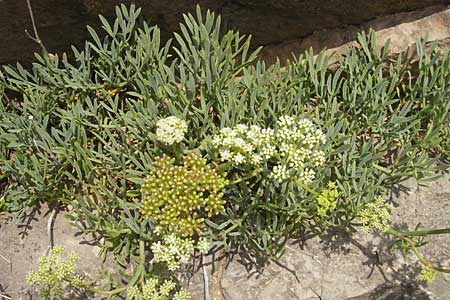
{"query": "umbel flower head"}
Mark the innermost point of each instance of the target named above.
(154, 290)
(376, 215)
(54, 273)
(292, 149)
(427, 274)
(170, 130)
(174, 250)
(326, 199)
(178, 198)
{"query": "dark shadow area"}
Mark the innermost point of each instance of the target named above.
(3, 293)
(63, 23)
(393, 292)
(334, 37)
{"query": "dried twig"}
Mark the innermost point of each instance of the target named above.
(5, 297)
(287, 269)
(8, 261)
(205, 283)
(36, 37)
(5, 259)
(217, 291)
(50, 223)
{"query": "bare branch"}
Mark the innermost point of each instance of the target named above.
(5, 297)
(206, 283)
(7, 260)
(36, 37)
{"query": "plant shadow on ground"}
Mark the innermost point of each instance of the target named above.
(400, 278)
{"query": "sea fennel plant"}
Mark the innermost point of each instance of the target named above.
(279, 152)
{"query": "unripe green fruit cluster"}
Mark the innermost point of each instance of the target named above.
(179, 197)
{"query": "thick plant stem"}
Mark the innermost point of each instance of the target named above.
(405, 236)
(217, 291)
(107, 293)
(141, 262)
(206, 283)
(50, 224)
(239, 180)
(307, 188)
(428, 264)
(418, 232)
(234, 226)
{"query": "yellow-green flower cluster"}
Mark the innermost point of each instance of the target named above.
(292, 148)
(178, 198)
(153, 290)
(170, 130)
(427, 274)
(54, 272)
(326, 200)
(376, 215)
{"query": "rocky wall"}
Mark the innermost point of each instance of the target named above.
(62, 22)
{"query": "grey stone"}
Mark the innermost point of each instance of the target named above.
(350, 268)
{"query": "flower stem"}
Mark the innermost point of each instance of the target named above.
(405, 236)
(418, 232)
(253, 174)
(307, 188)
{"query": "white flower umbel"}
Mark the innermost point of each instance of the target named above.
(225, 155)
(203, 246)
(291, 151)
(318, 158)
(306, 176)
(280, 173)
(244, 144)
(154, 289)
(298, 142)
(170, 130)
(175, 250)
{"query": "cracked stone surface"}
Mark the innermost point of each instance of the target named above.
(359, 268)
(332, 268)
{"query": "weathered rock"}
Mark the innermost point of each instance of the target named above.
(363, 267)
(62, 23)
(401, 29)
(23, 245)
(333, 268)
